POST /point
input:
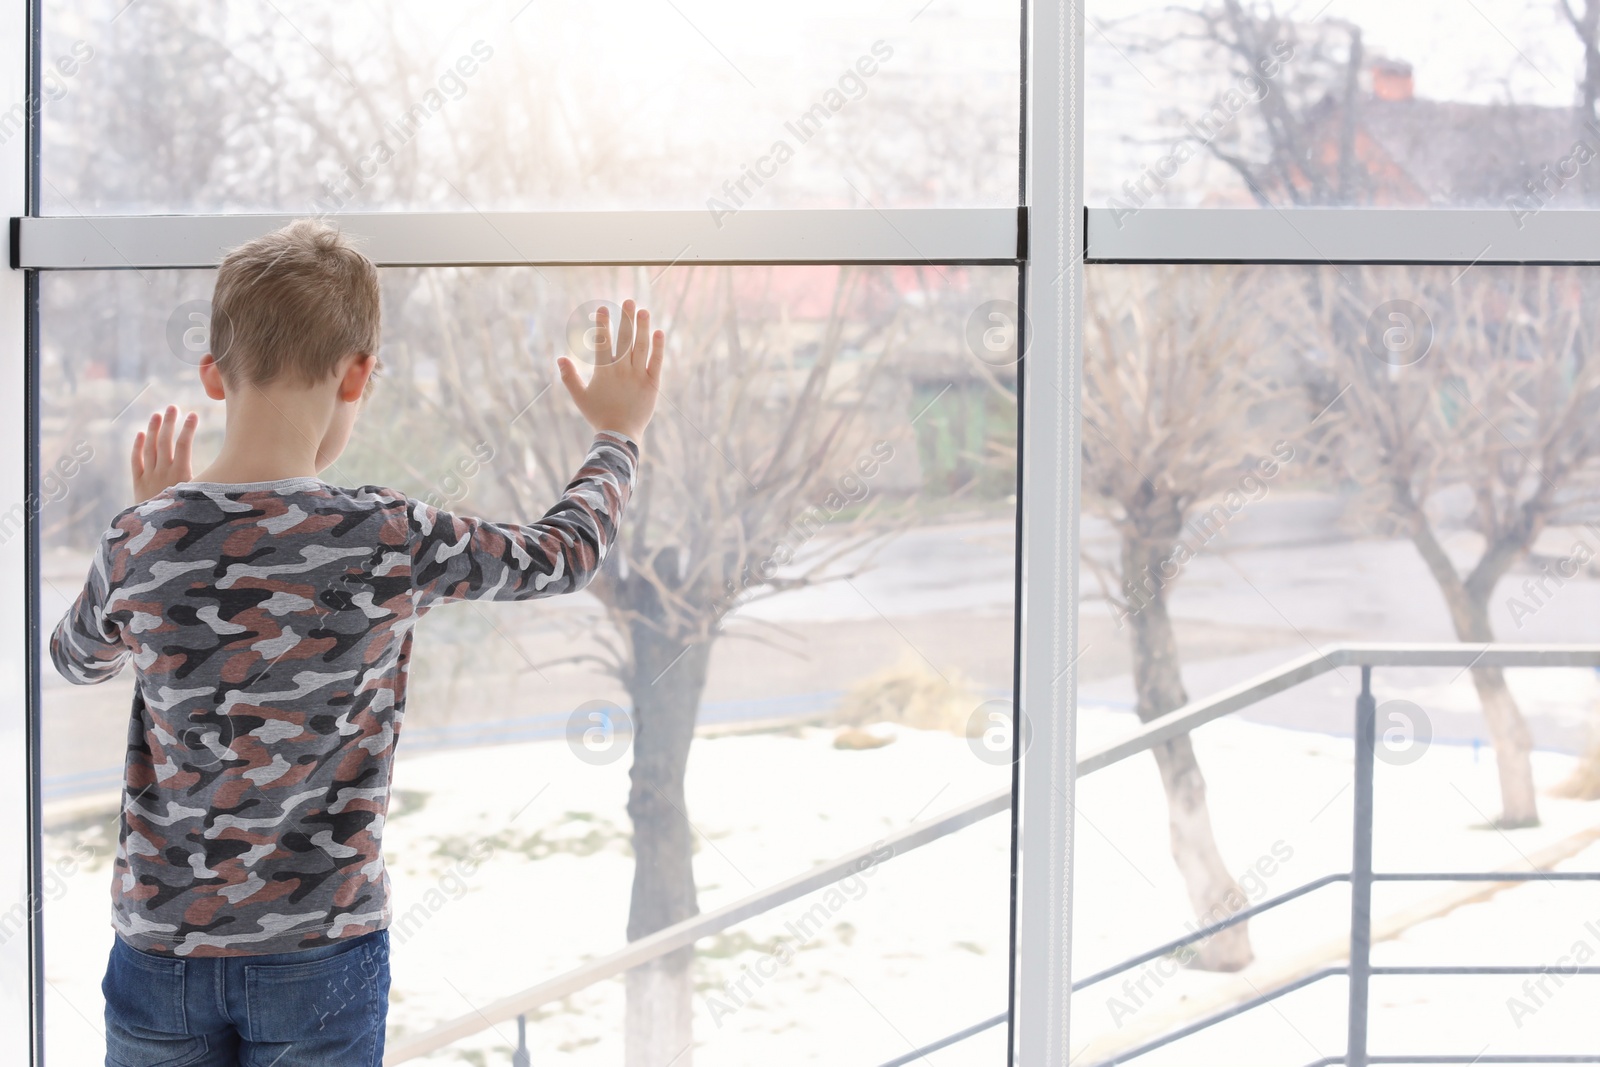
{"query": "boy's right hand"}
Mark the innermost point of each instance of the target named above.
(621, 393)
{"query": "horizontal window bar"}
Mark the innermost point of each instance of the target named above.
(1341, 235)
(542, 238)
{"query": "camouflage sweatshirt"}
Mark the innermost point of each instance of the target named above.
(270, 627)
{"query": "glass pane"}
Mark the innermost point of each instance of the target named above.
(1278, 460)
(306, 107)
(829, 495)
(1307, 103)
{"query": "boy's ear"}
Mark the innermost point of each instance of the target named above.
(353, 382)
(211, 377)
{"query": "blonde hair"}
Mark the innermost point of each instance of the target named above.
(292, 304)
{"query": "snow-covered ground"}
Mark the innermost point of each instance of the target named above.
(920, 948)
(923, 940)
(1282, 808)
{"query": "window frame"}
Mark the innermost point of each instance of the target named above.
(1043, 238)
(1401, 236)
(994, 236)
(21, 870)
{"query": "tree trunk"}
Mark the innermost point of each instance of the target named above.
(1584, 781)
(1513, 745)
(1213, 892)
(1468, 604)
(666, 684)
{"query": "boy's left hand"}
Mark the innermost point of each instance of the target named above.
(162, 453)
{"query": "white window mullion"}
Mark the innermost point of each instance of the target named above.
(545, 238)
(19, 914)
(1342, 235)
(1047, 690)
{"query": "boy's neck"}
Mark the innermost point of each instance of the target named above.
(270, 435)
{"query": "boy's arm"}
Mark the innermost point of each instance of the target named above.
(87, 647)
(458, 558)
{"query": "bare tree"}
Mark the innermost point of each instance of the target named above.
(1298, 162)
(1587, 26)
(1305, 144)
(1585, 780)
(1487, 389)
(1286, 96)
(1181, 405)
(738, 499)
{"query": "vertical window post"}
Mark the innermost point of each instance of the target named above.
(1053, 289)
(19, 917)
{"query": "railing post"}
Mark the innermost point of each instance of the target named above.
(521, 1058)
(1361, 873)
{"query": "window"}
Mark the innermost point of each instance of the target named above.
(1280, 461)
(831, 715)
(1349, 104)
(302, 108)
(1337, 480)
(1061, 395)
(823, 207)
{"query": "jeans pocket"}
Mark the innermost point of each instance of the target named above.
(146, 1025)
(330, 1010)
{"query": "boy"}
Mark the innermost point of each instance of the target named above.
(269, 618)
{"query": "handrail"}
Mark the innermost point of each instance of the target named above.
(949, 1039)
(1174, 724)
(1204, 932)
(1199, 712)
(1227, 1013)
(687, 932)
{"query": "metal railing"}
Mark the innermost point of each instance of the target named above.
(663, 941)
(1361, 877)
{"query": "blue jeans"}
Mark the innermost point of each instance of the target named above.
(318, 1007)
